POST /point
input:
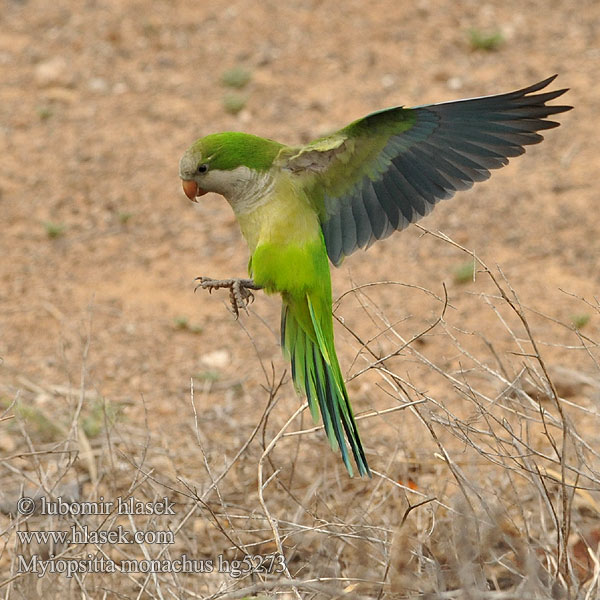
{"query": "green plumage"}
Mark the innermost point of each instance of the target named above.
(226, 151)
(297, 206)
(296, 266)
(307, 341)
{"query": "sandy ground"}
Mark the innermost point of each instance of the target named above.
(99, 247)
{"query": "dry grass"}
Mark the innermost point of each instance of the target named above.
(484, 444)
(486, 483)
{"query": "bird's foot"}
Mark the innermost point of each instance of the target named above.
(240, 295)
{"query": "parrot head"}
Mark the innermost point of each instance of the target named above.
(229, 164)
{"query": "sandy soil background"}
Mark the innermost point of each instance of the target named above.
(101, 333)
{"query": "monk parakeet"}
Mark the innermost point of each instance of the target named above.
(300, 207)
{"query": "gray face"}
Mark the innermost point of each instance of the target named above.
(188, 166)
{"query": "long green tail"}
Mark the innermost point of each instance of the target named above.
(316, 373)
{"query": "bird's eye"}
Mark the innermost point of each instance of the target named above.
(202, 168)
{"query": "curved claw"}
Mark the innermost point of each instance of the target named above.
(240, 295)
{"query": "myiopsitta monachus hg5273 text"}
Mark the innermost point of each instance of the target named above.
(300, 207)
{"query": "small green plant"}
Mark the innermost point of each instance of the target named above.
(44, 112)
(37, 421)
(236, 77)
(485, 40)
(124, 216)
(464, 273)
(54, 230)
(183, 323)
(580, 320)
(150, 29)
(101, 413)
(209, 375)
(234, 103)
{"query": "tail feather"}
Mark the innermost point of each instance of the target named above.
(320, 384)
(316, 373)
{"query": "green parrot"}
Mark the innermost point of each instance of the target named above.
(300, 207)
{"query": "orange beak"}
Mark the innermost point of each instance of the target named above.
(191, 189)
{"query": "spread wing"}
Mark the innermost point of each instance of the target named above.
(390, 168)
